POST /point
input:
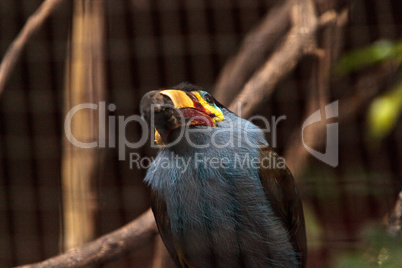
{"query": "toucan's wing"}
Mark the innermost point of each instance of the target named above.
(162, 220)
(280, 190)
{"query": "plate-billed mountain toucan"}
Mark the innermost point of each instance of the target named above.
(219, 196)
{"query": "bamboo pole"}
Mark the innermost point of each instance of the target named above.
(84, 84)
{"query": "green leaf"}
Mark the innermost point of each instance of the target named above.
(384, 112)
(378, 52)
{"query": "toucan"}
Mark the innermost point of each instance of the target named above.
(221, 196)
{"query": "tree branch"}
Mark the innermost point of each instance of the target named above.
(298, 41)
(32, 26)
(108, 247)
(161, 257)
(295, 153)
(253, 52)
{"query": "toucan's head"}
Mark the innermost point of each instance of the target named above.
(180, 106)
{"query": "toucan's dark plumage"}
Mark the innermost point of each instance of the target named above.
(220, 195)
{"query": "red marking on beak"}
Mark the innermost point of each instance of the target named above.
(197, 117)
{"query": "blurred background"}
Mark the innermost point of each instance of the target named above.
(117, 50)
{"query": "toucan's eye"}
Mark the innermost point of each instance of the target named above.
(208, 98)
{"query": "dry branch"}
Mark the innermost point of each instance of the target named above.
(257, 46)
(299, 40)
(295, 154)
(161, 258)
(32, 26)
(253, 52)
(108, 247)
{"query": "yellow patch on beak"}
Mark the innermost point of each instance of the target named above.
(158, 138)
(217, 112)
(179, 98)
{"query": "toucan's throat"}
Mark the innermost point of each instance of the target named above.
(192, 117)
(197, 117)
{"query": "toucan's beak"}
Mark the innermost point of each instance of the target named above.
(179, 98)
(171, 108)
(193, 106)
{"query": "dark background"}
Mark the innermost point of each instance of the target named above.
(155, 44)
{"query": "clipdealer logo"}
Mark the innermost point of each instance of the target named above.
(331, 155)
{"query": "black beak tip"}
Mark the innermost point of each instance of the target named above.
(146, 103)
(154, 101)
(162, 109)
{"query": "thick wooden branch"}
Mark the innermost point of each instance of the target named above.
(161, 257)
(32, 26)
(257, 46)
(253, 52)
(318, 97)
(299, 40)
(108, 247)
